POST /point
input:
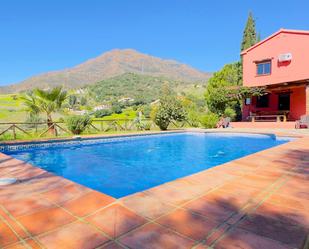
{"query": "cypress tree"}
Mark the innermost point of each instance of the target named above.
(258, 39)
(249, 35)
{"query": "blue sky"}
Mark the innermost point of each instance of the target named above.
(43, 35)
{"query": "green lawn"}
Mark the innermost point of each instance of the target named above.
(11, 108)
(126, 114)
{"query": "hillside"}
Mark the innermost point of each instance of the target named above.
(137, 86)
(113, 63)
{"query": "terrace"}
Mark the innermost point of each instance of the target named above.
(257, 201)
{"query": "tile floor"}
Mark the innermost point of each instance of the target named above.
(259, 201)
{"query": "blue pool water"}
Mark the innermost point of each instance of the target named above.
(120, 167)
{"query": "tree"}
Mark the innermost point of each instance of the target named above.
(139, 100)
(258, 39)
(225, 93)
(170, 109)
(249, 35)
(103, 113)
(83, 101)
(45, 101)
(116, 108)
(72, 101)
(146, 111)
(220, 86)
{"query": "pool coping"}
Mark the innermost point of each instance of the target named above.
(87, 137)
(168, 195)
(28, 143)
(3, 146)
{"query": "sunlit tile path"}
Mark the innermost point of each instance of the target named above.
(258, 201)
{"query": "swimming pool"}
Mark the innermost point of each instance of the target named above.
(126, 165)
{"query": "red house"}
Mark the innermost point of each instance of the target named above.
(280, 63)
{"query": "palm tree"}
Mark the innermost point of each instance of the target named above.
(45, 101)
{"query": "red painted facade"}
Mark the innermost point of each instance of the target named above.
(286, 78)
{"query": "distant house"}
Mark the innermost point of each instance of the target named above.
(80, 91)
(157, 101)
(82, 112)
(280, 63)
(125, 100)
(101, 107)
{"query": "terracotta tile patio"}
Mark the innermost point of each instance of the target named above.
(259, 201)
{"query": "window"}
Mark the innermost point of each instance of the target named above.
(248, 101)
(262, 101)
(263, 68)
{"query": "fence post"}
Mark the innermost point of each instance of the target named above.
(56, 132)
(14, 131)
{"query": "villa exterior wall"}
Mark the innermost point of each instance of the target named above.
(282, 42)
(307, 100)
(273, 104)
(297, 107)
(291, 76)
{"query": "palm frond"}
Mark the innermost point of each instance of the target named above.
(47, 101)
(31, 103)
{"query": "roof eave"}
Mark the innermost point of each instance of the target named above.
(292, 31)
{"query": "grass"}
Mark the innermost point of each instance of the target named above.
(12, 109)
(128, 113)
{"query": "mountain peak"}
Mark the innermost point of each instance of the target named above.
(109, 64)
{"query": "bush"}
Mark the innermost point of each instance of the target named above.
(77, 124)
(162, 119)
(209, 120)
(102, 113)
(147, 111)
(116, 108)
(83, 101)
(72, 101)
(147, 126)
(170, 109)
(193, 118)
(229, 112)
(138, 123)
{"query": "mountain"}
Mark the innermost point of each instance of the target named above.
(112, 63)
(140, 87)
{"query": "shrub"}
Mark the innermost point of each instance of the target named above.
(170, 108)
(83, 101)
(162, 118)
(77, 124)
(102, 113)
(153, 112)
(193, 118)
(147, 126)
(138, 123)
(116, 108)
(72, 101)
(147, 111)
(229, 112)
(209, 120)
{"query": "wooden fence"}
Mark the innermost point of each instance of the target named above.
(40, 129)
